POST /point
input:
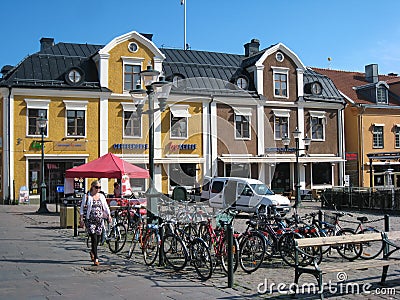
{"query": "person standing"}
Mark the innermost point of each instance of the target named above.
(96, 211)
(117, 190)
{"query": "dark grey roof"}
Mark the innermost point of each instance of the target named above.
(329, 91)
(209, 72)
(47, 68)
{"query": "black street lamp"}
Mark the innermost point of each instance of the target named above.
(307, 141)
(42, 123)
(159, 90)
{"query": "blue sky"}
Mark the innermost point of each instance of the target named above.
(353, 33)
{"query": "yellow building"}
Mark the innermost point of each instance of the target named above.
(83, 92)
(372, 126)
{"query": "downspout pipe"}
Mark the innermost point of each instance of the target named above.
(210, 135)
(8, 144)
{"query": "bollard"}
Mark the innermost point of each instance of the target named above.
(75, 219)
(320, 218)
(229, 234)
(386, 222)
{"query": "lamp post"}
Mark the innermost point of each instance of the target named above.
(42, 123)
(307, 141)
(159, 90)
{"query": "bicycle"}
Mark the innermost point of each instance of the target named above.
(216, 239)
(369, 250)
(252, 246)
(325, 228)
(114, 235)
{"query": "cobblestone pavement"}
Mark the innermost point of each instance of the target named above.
(246, 286)
(276, 274)
(272, 273)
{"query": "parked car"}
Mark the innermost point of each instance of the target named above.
(245, 194)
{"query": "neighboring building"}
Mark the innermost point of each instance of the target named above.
(226, 115)
(372, 125)
(256, 99)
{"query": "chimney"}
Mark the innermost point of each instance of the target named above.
(46, 43)
(148, 36)
(371, 73)
(252, 47)
(5, 69)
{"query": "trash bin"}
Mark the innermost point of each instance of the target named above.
(67, 212)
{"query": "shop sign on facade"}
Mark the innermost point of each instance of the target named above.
(37, 145)
(351, 156)
(279, 150)
(131, 146)
(177, 147)
(69, 146)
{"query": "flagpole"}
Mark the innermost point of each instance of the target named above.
(184, 25)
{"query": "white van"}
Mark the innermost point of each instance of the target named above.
(245, 194)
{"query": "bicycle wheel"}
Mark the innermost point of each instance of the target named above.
(135, 240)
(349, 251)
(371, 250)
(150, 247)
(116, 237)
(286, 248)
(223, 252)
(201, 258)
(175, 252)
(252, 251)
(203, 233)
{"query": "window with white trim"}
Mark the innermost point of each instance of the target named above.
(179, 121)
(75, 118)
(132, 67)
(242, 127)
(381, 95)
(35, 109)
(317, 121)
(377, 136)
(397, 136)
(242, 119)
(281, 84)
(132, 123)
(281, 123)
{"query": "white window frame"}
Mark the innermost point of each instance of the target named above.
(245, 112)
(37, 104)
(131, 61)
(284, 71)
(179, 111)
(376, 136)
(132, 108)
(378, 100)
(281, 113)
(80, 105)
(397, 136)
(321, 115)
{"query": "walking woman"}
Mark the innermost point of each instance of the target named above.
(96, 211)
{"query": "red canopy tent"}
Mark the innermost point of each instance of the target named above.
(107, 166)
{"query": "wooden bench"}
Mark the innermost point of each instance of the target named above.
(317, 270)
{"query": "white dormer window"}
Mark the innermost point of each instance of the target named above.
(381, 95)
(281, 82)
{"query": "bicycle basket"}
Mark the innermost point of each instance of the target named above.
(328, 218)
(224, 217)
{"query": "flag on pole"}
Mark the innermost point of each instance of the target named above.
(182, 2)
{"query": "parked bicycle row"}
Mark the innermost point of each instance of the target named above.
(189, 234)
